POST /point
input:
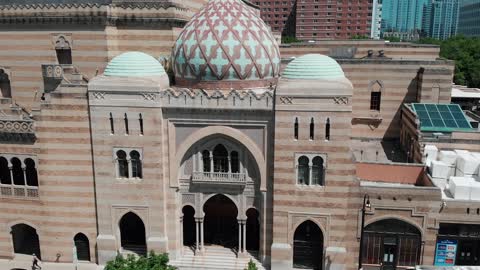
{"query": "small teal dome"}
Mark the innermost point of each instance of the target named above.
(313, 67)
(134, 64)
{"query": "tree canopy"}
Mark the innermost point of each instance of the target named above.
(466, 53)
(151, 262)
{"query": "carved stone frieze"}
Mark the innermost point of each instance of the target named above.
(16, 126)
(340, 100)
(184, 98)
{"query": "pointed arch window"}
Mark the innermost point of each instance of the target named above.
(5, 177)
(220, 159)
(31, 172)
(234, 162)
(63, 50)
(17, 172)
(295, 129)
(303, 171)
(206, 161)
(375, 96)
(122, 164)
(327, 129)
(136, 164)
(312, 129)
(317, 171)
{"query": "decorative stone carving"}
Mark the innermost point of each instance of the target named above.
(99, 95)
(376, 86)
(62, 41)
(52, 71)
(340, 100)
(184, 98)
(188, 199)
(149, 96)
(286, 100)
(17, 126)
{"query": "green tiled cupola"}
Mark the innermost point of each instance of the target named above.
(134, 64)
(313, 67)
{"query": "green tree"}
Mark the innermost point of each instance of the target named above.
(251, 266)
(392, 39)
(150, 262)
(360, 37)
(289, 39)
(465, 51)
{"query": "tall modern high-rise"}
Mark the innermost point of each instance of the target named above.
(469, 18)
(318, 19)
(402, 15)
(441, 19)
(376, 19)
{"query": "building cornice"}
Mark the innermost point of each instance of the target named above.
(94, 13)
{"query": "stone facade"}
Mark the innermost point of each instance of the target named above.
(107, 147)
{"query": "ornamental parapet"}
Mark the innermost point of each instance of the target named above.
(228, 100)
(219, 178)
(17, 130)
(15, 191)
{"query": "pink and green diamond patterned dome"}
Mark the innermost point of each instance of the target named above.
(226, 45)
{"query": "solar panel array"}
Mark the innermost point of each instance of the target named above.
(441, 117)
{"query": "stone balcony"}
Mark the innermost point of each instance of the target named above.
(15, 191)
(219, 178)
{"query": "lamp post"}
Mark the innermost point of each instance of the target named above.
(366, 203)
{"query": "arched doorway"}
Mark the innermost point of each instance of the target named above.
(132, 234)
(25, 240)
(188, 225)
(221, 225)
(253, 229)
(82, 247)
(391, 243)
(308, 246)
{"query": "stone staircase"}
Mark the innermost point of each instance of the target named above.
(215, 257)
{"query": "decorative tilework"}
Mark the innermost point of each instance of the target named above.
(226, 41)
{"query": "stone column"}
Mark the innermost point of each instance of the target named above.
(196, 237)
(181, 232)
(310, 167)
(211, 161)
(11, 174)
(202, 247)
(129, 161)
(229, 164)
(24, 169)
(239, 237)
(244, 225)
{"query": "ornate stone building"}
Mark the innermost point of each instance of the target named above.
(217, 152)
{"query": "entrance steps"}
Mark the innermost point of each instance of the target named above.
(215, 257)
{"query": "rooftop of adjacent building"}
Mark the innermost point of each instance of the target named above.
(456, 172)
(462, 91)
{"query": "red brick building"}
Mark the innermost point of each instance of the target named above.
(318, 19)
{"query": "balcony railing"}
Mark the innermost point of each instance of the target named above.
(219, 178)
(18, 191)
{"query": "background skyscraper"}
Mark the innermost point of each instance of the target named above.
(469, 18)
(441, 19)
(402, 15)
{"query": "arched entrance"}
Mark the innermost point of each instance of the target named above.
(253, 229)
(188, 226)
(221, 225)
(82, 247)
(391, 243)
(132, 234)
(308, 246)
(25, 240)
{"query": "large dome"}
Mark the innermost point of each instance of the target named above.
(134, 64)
(226, 45)
(313, 67)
